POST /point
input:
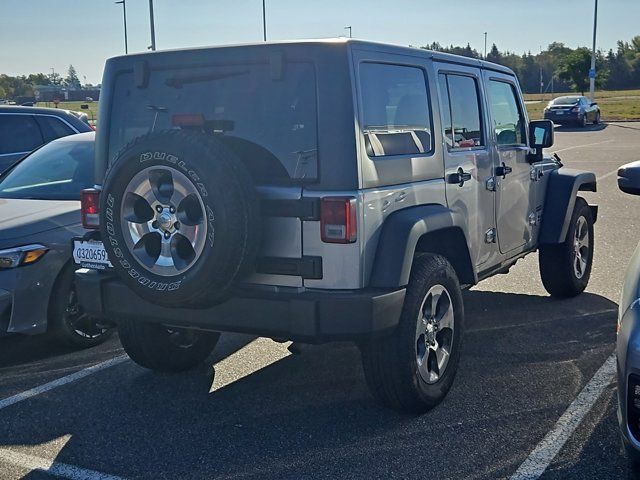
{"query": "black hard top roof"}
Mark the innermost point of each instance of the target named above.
(352, 43)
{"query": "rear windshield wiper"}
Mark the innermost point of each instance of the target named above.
(178, 82)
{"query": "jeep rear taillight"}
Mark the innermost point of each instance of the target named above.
(90, 208)
(338, 220)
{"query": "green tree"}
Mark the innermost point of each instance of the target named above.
(494, 54)
(38, 79)
(574, 68)
(54, 78)
(72, 79)
(3, 93)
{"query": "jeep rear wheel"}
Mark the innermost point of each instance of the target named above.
(413, 369)
(565, 268)
(180, 219)
(165, 349)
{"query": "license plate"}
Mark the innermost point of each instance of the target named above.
(559, 112)
(90, 254)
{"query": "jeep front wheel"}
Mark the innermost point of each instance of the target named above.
(412, 369)
(165, 349)
(565, 268)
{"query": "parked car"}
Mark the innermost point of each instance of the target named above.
(319, 191)
(39, 215)
(628, 340)
(83, 117)
(573, 109)
(23, 129)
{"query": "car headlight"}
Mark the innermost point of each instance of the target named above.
(18, 256)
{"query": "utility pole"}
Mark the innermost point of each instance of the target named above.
(485, 45)
(592, 72)
(152, 47)
(264, 21)
(541, 80)
(124, 13)
(349, 28)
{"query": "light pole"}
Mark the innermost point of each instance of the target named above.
(264, 21)
(485, 45)
(349, 28)
(592, 72)
(124, 14)
(152, 47)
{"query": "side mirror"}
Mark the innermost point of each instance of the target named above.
(540, 134)
(629, 178)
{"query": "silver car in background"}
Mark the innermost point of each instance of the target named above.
(628, 341)
(39, 215)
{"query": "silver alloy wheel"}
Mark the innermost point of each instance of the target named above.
(163, 220)
(434, 334)
(581, 247)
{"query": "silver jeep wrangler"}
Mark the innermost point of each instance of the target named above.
(318, 191)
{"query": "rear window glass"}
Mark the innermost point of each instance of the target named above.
(269, 119)
(395, 106)
(566, 101)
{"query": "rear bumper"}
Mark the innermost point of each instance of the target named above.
(311, 316)
(563, 118)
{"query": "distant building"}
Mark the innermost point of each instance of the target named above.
(47, 93)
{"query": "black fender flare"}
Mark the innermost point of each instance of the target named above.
(563, 186)
(399, 238)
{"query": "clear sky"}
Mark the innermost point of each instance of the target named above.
(37, 35)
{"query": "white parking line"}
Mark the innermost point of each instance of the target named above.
(85, 372)
(582, 146)
(602, 177)
(544, 453)
(31, 463)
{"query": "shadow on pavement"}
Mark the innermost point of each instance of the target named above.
(575, 128)
(311, 416)
(18, 349)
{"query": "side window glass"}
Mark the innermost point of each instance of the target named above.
(465, 112)
(395, 104)
(445, 110)
(508, 121)
(53, 128)
(18, 133)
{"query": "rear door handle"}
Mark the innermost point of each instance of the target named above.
(459, 177)
(503, 170)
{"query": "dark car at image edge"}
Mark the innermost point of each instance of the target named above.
(23, 129)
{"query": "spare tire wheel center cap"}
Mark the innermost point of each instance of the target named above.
(165, 220)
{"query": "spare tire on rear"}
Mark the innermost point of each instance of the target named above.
(179, 218)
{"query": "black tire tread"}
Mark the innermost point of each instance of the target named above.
(386, 360)
(144, 344)
(56, 326)
(556, 268)
(241, 205)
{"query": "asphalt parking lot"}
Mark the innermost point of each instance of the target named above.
(257, 411)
